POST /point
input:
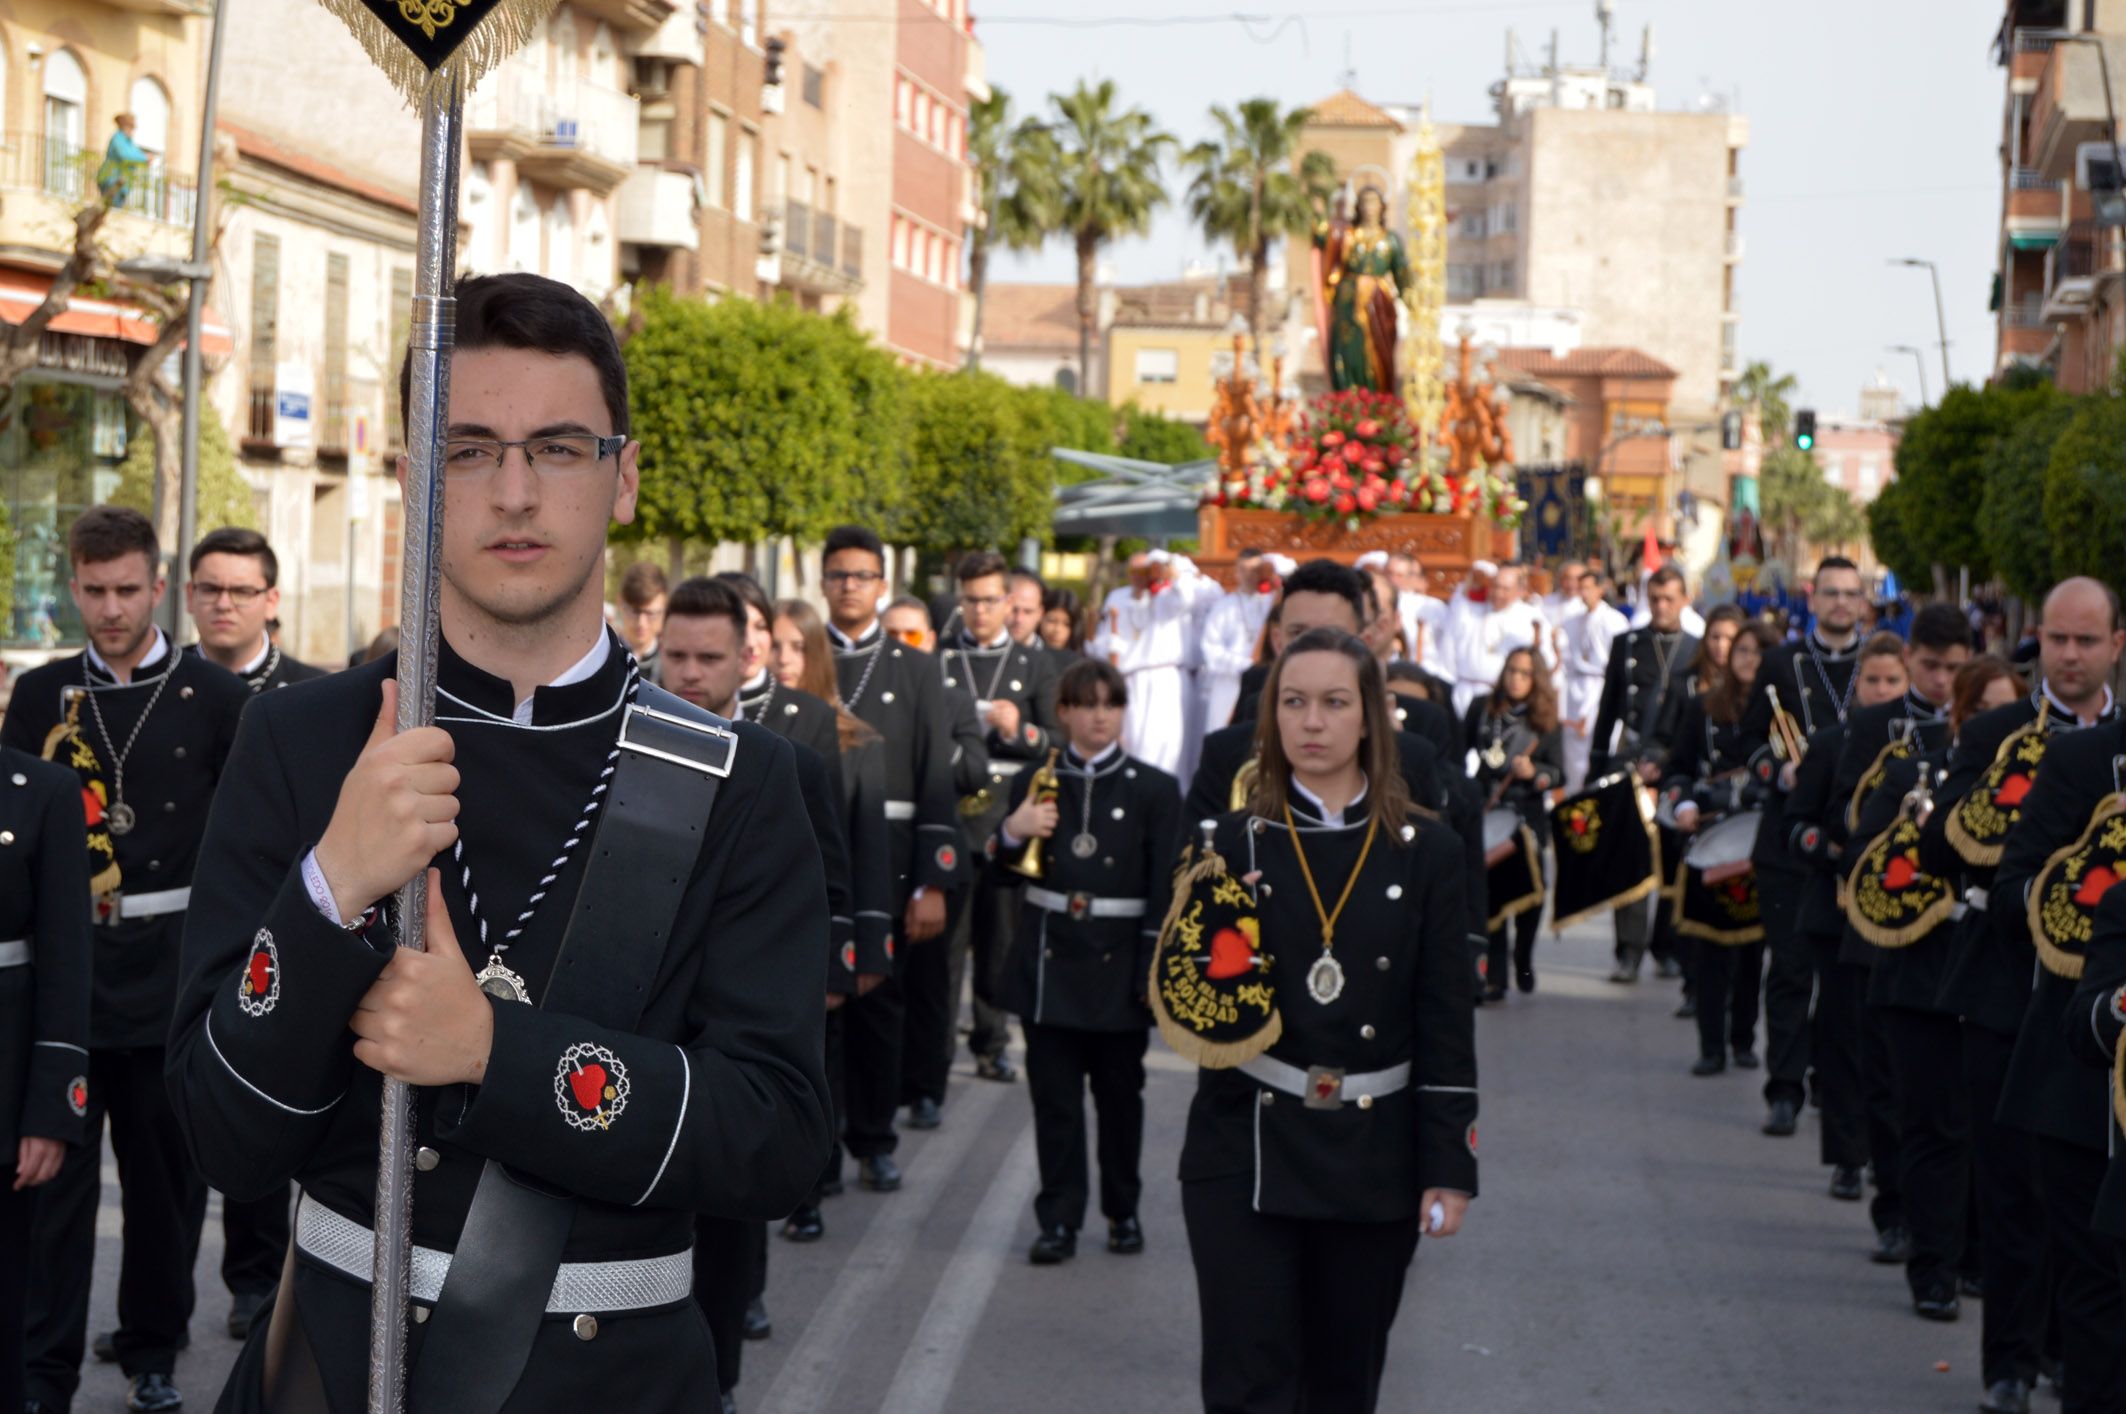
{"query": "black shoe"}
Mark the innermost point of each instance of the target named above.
(1708, 1065)
(1053, 1247)
(997, 1067)
(152, 1392)
(1126, 1236)
(833, 1187)
(804, 1225)
(1937, 1302)
(1624, 974)
(244, 1308)
(925, 1114)
(1971, 1286)
(1524, 976)
(2009, 1396)
(878, 1173)
(1668, 968)
(1745, 1058)
(1893, 1247)
(1780, 1122)
(1846, 1186)
(1688, 1010)
(729, 1404)
(105, 1347)
(1494, 994)
(757, 1325)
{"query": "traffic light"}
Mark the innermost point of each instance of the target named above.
(1805, 429)
(772, 68)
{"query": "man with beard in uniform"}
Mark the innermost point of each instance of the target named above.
(147, 729)
(233, 595)
(1011, 690)
(1812, 682)
(2056, 1101)
(896, 690)
(1642, 690)
(1987, 979)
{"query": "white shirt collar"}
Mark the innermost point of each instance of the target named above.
(1322, 812)
(584, 668)
(1095, 764)
(756, 683)
(845, 641)
(2064, 709)
(157, 651)
(265, 651)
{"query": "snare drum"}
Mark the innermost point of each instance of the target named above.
(1721, 850)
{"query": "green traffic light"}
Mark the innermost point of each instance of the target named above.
(1804, 441)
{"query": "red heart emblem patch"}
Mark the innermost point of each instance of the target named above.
(1579, 824)
(1900, 873)
(2012, 791)
(2095, 884)
(92, 806)
(261, 974)
(78, 1096)
(588, 1084)
(1231, 954)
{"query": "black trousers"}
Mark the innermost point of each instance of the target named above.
(1933, 1138)
(164, 1202)
(930, 1008)
(1835, 1043)
(254, 1243)
(1645, 927)
(15, 1212)
(2092, 1295)
(836, 1055)
(1789, 982)
(1725, 980)
(1523, 928)
(1878, 1095)
(871, 1061)
(1295, 1314)
(1061, 1063)
(981, 936)
(2011, 1216)
(730, 1269)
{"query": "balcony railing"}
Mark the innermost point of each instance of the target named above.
(69, 173)
(2025, 313)
(825, 240)
(2030, 179)
(2034, 42)
(259, 428)
(2078, 256)
(829, 253)
(796, 228)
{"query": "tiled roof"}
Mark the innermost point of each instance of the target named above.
(1346, 109)
(1609, 362)
(1030, 316)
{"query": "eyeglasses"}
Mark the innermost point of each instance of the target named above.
(859, 577)
(238, 594)
(563, 454)
(1841, 594)
(981, 601)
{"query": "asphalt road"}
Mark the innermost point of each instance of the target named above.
(1638, 1245)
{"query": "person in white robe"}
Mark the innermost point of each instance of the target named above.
(1146, 630)
(1588, 635)
(1232, 631)
(1490, 616)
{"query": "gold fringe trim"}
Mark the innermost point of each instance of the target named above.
(2056, 959)
(500, 33)
(1645, 888)
(1211, 1055)
(1531, 852)
(1903, 937)
(106, 879)
(1869, 780)
(1736, 938)
(1977, 852)
(2118, 1081)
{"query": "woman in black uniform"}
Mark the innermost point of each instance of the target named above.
(1520, 760)
(1308, 1172)
(44, 1012)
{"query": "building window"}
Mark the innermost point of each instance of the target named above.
(903, 103)
(333, 436)
(561, 240)
(401, 327)
(524, 228)
(1472, 226)
(265, 331)
(1464, 281)
(479, 251)
(749, 22)
(742, 179)
(1870, 477)
(66, 99)
(922, 112)
(1067, 379)
(149, 102)
(1834, 471)
(1158, 365)
(712, 161)
(561, 37)
(720, 11)
(900, 244)
(814, 87)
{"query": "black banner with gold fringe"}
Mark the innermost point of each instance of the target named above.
(1210, 985)
(2064, 897)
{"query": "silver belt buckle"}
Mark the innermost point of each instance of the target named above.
(109, 907)
(1081, 905)
(1325, 1088)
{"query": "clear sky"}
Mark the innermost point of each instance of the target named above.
(1874, 132)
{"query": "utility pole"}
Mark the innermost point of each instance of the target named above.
(1941, 323)
(195, 303)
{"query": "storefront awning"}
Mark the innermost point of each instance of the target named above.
(21, 291)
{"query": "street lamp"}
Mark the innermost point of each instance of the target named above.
(1941, 323)
(1919, 361)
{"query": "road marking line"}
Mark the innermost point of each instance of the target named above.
(923, 1383)
(806, 1382)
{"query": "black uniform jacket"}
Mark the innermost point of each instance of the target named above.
(1002, 672)
(170, 776)
(1706, 762)
(278, 670)
(895, 689)
(1813, 684)
(1639, 697)
(1074, 969)
(2047, 1091)
(808, 725)
(1814, 834)
(1987, 980)
(1226, 750)
(1402, 945)
(1909, 976)
(2092, 1025)
(1511, 734)
(44, 999)
(724, 1101)
(1869, 729)
(1916, 969)
(871, 879)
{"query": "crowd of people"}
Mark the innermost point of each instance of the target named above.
(727, 865)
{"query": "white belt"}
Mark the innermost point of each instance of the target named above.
(1324, 1088)
(581, 1287)
(154, 905)
(1085, 905)
(1975, 899)
(900, 810)
(15, 954)
(1006, 768)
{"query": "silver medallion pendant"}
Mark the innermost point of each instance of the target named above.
(1084, 846)
(119, 818)
(1325, 979)
(1495, 755)
(498, 981)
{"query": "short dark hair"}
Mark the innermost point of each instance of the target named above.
(980, 564)
(526, 311)
(749, 593)
(101, 534)
(1940, 626)
(909, 601)
(1023, 575)
(235, 540)
(1668, 574)
(853, 537)
(1355, 587)
(1084, 681)
(705, 598)
(1835, 562)
(1883, 645)
(642, 583)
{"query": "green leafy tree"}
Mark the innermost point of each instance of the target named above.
(1801, 508)
(1892, 544)
(1152, 436)
(7, 566)
(978, 465)
(2085, 492)
(1015, 176)
(1944, 455)
(2011, 513)
(1107, 176)
(1771, 394)
(1253, 185)
(224, 496)
(1067, 420)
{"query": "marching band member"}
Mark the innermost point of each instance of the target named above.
(1520, 760)
(1309, 1170)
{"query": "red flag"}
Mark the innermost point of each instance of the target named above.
(1650, 552)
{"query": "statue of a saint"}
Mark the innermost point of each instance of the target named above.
(1364, 273)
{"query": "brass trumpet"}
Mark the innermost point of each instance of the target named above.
(1044, 786)
(1788, 742)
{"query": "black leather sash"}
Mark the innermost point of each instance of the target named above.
(673, 759)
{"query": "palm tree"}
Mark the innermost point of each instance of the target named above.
(1253, 185)
(1769, 395)
(1107, 184)
(1015, 167)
